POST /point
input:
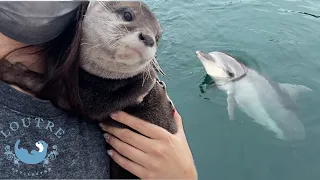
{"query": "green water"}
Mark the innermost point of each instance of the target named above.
(272, 37)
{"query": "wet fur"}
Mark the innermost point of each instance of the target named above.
(104, 96)
(103, 92)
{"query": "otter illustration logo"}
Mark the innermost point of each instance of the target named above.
(20, 155)
(35, 157)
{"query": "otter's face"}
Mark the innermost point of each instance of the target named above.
(120, 37)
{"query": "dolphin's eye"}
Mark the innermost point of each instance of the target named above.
(230, 74)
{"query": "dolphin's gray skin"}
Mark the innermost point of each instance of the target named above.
(271, 104)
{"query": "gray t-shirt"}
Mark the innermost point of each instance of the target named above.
(39, 141)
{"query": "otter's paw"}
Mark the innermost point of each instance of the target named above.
(5, 68)
(18, 67)
(9, 72)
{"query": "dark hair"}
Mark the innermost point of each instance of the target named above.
(62, 55)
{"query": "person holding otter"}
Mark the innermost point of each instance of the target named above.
(39, 140)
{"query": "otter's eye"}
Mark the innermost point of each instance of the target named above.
(127, 16)
(230, 74)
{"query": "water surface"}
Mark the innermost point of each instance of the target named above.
(279, 38)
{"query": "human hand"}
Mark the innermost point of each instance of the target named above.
(159, 155)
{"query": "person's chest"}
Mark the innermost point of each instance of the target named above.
(60, 147)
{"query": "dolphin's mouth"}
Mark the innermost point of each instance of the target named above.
(204, 55)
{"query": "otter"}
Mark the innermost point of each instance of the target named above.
(117, 71)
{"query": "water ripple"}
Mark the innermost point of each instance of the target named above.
(279, 38)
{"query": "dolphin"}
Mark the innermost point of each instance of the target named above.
(268, 103)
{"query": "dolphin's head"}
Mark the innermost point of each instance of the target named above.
(221, 67)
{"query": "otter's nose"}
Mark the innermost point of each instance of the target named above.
(146, 39)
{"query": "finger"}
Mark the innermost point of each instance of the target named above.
(143, 127)
(128, 165)
(134, 139)
(128, 151)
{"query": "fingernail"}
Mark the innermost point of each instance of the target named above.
(113, 115)
(109, 152)
(101, 125)
(106, 136)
